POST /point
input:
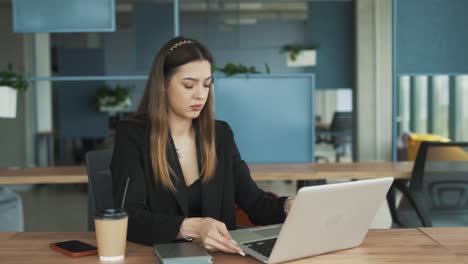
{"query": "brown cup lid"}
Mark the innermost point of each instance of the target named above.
(111, 214)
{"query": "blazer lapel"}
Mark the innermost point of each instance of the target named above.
(179, 181)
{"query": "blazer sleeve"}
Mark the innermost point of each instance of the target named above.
(261, 207)
(144, 226)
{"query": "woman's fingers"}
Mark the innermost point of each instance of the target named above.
(223, 230)
(225, 238)
(215, 235)
(210, 248)
(290, 203)
(212, 244)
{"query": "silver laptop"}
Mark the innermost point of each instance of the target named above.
(323, 219)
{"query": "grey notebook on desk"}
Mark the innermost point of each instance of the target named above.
(178, 253)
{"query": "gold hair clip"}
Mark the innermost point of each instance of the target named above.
(180, 43)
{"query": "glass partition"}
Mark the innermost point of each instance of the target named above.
(434, 104)
(461, 111)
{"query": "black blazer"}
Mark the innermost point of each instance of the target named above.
(156, 214)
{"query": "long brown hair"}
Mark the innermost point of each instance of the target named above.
(154, 104)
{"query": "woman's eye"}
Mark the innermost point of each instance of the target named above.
(188, 86)
(207, 86)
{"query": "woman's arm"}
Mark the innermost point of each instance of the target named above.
(261, 207)
(144, 226)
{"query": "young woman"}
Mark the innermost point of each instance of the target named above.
(186, 175)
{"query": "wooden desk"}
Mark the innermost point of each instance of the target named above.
(454, 239)
(6, 235)
(44, 175)
(380, 246)
(260, 172)
(331, 171)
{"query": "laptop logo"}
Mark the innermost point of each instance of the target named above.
(334, 220)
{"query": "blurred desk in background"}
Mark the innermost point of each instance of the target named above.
(260, 172)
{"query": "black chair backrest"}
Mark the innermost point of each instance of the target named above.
(100, 194)
(440, 174)
(341, 128)
(342, 122)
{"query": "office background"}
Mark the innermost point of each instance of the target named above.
(395, 66)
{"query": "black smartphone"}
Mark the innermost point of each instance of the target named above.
(74, 248)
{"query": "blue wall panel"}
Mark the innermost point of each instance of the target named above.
(63, 15)
(154, 26)
(252, 45)
(271, 115)
(75, 110)
(330, 25)
(119, 53)
(431, 36)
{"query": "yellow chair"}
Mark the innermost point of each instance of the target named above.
(414, 140)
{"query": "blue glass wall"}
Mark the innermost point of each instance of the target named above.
(431, 36)
(64, 15)
(75, 109)
(330, 26)
(272, 116)
(154, 24)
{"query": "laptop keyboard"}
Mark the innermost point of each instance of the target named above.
(263, 247)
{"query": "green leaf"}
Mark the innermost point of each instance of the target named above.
(11, 79)
(107, 96)
(295, 49)
(231, 69)
(267, 69)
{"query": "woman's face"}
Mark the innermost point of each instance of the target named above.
(189, 88)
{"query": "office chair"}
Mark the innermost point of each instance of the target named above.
(321, 135)
(100, 195)
(243, 220)
(341, 129)
(438, 191)
(11, 211)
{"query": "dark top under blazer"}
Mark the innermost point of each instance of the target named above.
(156, 214)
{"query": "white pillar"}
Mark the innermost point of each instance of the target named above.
(42, 67)
(373, 94)
(43, 93)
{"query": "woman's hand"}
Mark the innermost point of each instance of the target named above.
(212, 233)
(289, 204)
(215, 236)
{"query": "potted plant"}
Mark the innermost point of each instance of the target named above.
(298, 55)
(231, 69)
(10, 84)
(113, 99)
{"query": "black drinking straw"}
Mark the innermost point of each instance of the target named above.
(125, 193)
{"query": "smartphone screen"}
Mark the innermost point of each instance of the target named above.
(75, 246)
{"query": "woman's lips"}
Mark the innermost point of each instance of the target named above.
(197, 107)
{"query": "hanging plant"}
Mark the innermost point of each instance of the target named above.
(11, 79)
(113, 99)
(231, 69)
(299, 55)
(295, 49)
(10, 84)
